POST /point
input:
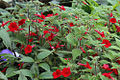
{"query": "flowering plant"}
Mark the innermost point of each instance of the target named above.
(58, 42)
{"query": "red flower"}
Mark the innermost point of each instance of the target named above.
(13, 27)
(113, 20)
(41, 16)
(62, 7)
(3, 24)
(106, 42)
(98, 38)
(118, 28)
(55, 29)
(108, 75)
(101, 33)
(66, 72)
(56, 74)
(56, 14)
(20, 65)
(87, 65)
(71, 24)
(39, 20)
(76, 17)
(115, 71)
(28, 49)
(82, 49)
(111, 14)
(67, 59)
(84, 3)
(106, 67)
(49, 15)
(88, 46)
(57, 46)
(51, 36)
(33, 34)
(4, 70)
(30, 40)
(21, 22)
(94, 55)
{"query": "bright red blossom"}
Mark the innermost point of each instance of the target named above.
(106, 42)
(28, 49)
(66, 72)
(13, 27)
(56, 74)
(21, 22)
(71, 24)
(113, 20)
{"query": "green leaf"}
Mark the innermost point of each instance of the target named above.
(2, 76)
(43, 55)
(27, 59)
(22, 77)
(34, 69)
(5, 37)
(25, 72)
(10, 72)
(45, 66)
(76, 53)
(70, 39)
(115, 47)
(63, 60)
(117, 42)
(46, 75)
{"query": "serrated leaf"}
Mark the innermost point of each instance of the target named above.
(76, 53)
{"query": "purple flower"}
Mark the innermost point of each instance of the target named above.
(7, 51)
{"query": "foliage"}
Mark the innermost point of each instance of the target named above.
(78, 43)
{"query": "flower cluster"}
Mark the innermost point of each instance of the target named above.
(65, 72)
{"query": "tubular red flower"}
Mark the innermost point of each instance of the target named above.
(108, 75)
(66, 72)
(3, 24)
(28, 49)
(106, 42)
(115, 71)
(101, 33)
(56, 74)
(113, 20)
(111, 15)
(82, 49)
(62, 7)
(4, 70)
(85, 65)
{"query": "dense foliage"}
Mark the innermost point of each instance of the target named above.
(57, 42)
